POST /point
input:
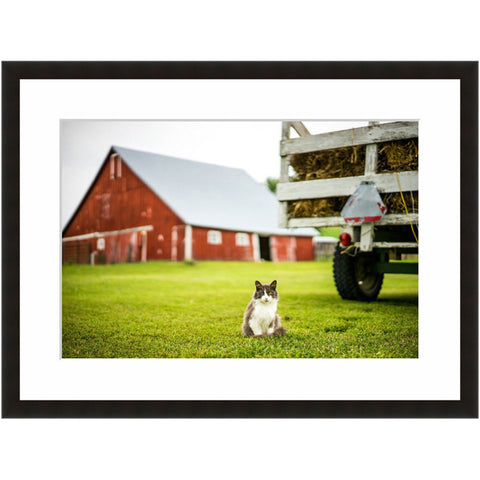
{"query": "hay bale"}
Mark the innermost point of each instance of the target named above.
(395, 156)
(394, 203)
(319, 207)
(333, 163)
(398, 156)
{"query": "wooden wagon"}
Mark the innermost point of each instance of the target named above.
(368, 250)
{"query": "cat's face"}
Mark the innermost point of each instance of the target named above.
(265, 293)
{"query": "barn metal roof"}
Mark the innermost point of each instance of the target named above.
(208, 195)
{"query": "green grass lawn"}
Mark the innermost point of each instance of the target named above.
(163, 309)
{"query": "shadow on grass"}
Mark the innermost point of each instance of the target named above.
(399, 300)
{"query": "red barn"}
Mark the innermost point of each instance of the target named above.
(143, 206)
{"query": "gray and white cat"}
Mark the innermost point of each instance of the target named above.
(260, 318)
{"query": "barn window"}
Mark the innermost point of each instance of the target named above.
(115, 165)
(112, 165)
(214, 237)
(119, 166)
(242, 240)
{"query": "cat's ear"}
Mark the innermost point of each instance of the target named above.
(274, 284)
(258, 284)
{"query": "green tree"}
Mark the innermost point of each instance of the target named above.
(272, 184)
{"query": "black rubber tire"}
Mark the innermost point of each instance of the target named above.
(352, 278)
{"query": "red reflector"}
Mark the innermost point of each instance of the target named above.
(345, 239)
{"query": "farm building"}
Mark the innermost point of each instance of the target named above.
(144, 206)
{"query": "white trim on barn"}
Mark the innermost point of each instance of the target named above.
(256, 247)
(143, 246)
(273, 249)
(174, 243)
(292, 250)
(188, 243)
(86, 236)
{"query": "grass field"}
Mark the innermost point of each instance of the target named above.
(163, 309)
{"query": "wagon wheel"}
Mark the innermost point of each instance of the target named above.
(353, 278)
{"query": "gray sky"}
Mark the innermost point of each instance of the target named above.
(251, 145)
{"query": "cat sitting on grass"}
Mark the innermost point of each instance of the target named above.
(260, 318)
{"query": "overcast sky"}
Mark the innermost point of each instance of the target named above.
(251, 145)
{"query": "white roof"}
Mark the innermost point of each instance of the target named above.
(207, 195)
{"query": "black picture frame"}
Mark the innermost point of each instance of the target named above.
(14, 407)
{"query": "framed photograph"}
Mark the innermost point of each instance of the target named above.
(160, 217)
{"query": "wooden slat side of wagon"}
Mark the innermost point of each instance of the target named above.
(367, 250)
